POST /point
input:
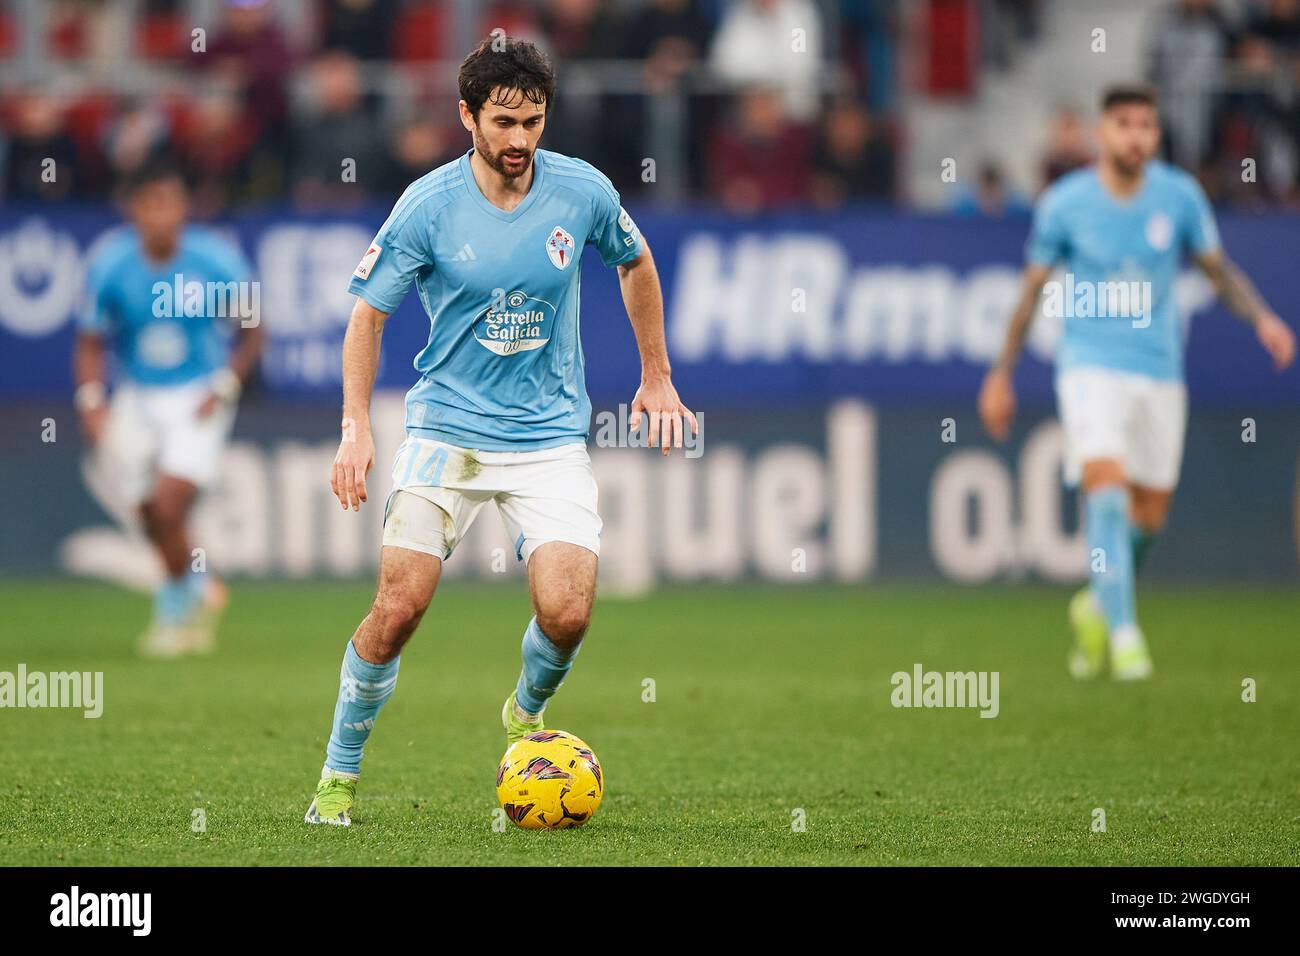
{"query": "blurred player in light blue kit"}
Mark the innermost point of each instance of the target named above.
(161, 300)
(1120, 230)
(492, 242)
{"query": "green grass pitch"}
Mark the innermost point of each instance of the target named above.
(768, 700)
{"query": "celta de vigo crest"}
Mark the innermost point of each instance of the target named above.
(560, 247)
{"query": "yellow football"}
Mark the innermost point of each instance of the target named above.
(549, 780)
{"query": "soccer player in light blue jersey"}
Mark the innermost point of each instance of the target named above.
(492, 242)
(162, 298)
(1120, 230)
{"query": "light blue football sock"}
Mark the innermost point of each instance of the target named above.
(364, 688)
(175, 599)
(195, 581)
(545, 667)
(1110, 555)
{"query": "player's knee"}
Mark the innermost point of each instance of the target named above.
(565, 622)
(1149, 509)
(1149, 518)
(162, 516)
(395, 615)
(1102, 473)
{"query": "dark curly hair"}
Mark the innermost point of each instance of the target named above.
(160, 167)
(1126, 94)
(508, 65)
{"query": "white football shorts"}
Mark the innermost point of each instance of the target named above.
(1135, 419)
(438, 489)
(155, 430)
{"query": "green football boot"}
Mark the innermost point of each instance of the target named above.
(163, 641)
(201, 629)
(333, 801)
(1088, 655)
(516, 728)
(1132, 663)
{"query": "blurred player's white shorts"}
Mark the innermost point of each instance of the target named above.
(156, 430)
(1137, 420)
(438, 489)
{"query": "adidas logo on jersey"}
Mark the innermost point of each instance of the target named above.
(465, 255)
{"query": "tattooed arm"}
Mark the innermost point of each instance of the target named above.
(1239, 295)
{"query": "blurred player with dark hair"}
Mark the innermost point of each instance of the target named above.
(160, 294)
(1121, 229)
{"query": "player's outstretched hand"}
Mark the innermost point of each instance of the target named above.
(997, 403)
(1277, 338)
(209, 405)
(93, 423)
(352, 464)
(658, 398)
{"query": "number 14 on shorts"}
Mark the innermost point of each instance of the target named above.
(420, 465)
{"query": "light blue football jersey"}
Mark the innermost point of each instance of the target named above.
(1100, 239)
(159, 335)
(503, 368)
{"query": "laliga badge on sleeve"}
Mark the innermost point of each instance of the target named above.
(368, 261)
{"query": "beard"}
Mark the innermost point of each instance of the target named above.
(1130, 164)
(497, 160)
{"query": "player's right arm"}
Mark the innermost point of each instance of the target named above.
(1047, 245)
(398, 252)
(997, 399)
(95, 325)
(356, 453)
(89, 371)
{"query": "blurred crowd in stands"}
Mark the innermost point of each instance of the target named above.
(1227, 76)
(263, 113)
(1230, 93)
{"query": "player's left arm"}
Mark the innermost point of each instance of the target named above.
(657, 397)
(1200, 237)
(228, 381)
(248, 349)
(1239, 296)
